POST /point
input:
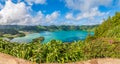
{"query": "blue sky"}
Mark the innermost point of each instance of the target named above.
(56, 12)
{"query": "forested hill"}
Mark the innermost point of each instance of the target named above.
(110, 27)
(47, 28)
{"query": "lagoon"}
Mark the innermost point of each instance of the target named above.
(65, 36)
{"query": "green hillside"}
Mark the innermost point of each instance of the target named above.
(110, 27)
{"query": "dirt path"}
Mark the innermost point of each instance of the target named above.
(100, 61)
(7, 59)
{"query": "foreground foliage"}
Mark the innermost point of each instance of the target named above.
(56, 51)
(110, 27)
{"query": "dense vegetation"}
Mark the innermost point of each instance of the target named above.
(8, 31)
(110, 27)
(56, 51)
(47, 28)
(105, 43)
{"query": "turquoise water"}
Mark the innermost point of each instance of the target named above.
(65, 36)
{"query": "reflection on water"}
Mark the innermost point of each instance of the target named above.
(70, 39)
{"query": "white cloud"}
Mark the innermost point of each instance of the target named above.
(16, 14)
(52, 16)
(69, 16)
(85, 5)
(90, 17)
(41, 19)
(12, 13)
(30, 2)
(90, 14)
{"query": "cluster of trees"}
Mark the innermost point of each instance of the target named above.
(66, 28)
(47, 28)
(8, 31)
(110, 27)
(40, 39)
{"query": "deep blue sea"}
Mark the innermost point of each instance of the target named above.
(65, 36)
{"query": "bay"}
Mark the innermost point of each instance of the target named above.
(65, 36)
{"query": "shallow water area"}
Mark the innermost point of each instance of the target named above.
(65, 36)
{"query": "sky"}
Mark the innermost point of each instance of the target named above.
(56, 12)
